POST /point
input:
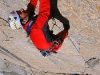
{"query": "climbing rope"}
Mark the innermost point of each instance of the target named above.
(77, 49)
(79, 53)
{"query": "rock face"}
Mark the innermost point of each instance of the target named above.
(79, 54)
(84, 19)
(8, 68)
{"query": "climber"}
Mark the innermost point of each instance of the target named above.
(37, 27)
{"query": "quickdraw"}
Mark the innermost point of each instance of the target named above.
(54, 24)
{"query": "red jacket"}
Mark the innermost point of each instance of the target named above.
(36, 34)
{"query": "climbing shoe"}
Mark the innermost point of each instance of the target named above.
(45, 53)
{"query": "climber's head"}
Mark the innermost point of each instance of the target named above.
(23, 14)
(18, 18)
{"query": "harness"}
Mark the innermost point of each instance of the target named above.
(30, 25)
